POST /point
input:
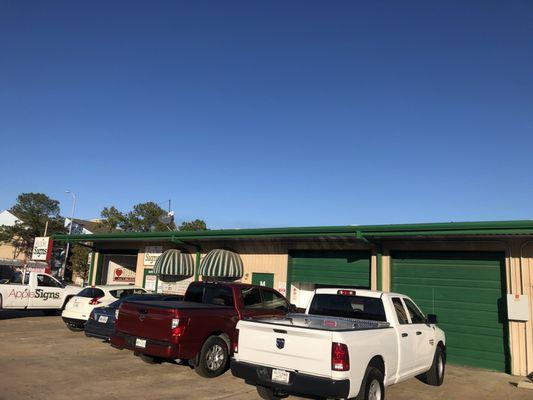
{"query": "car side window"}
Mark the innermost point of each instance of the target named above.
(251, 298)
(274, 301)
(47, 281)
(400, 311)
(416, 316)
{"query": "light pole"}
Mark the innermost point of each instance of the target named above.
(69, 231)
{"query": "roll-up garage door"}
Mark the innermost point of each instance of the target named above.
(349, 268)
(467, 292)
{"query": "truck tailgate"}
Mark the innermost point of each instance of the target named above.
(285, 347)
(143, 321)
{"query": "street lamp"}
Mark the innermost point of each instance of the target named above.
(69, 231)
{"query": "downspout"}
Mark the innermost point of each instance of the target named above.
(197, 267)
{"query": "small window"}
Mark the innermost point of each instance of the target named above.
(47, 281)
(400, 311)
(416, 315)
(251, 298)
(195, 293)
(274, 301)
(218, 295)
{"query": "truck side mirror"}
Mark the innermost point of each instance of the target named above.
(431, 319)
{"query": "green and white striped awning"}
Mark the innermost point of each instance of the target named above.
(221, 263)
(174, 264)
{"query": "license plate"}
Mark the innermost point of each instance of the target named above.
(279, 375)
(102, 319)
(140, 343)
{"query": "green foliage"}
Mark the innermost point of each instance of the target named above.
(196, 225)
(34, 210)
(143, 218)
(79, 261)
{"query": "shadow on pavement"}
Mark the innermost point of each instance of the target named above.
(12, 314)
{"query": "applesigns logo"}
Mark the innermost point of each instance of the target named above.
(37, 294)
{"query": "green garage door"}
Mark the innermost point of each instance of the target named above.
(349, 268)
(467, 292)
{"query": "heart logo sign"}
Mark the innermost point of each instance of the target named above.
(118, 272)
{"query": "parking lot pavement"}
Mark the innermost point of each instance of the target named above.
(41, 359)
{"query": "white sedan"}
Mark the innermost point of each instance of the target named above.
(79, 307)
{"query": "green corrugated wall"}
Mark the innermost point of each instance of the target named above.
(350, 268)
(467, 292)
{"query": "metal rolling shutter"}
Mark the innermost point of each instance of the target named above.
(350, 268)
(467, 292)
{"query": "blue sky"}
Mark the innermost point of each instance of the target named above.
(271, 113)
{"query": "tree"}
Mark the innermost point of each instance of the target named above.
(196, 225)
(143, 218)
(79, 261)
(34, 210)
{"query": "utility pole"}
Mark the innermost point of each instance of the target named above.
(69, 231)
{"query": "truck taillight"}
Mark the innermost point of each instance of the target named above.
(95, 301)
(340, 360)
(236, 342)
(178, 325)
(346, 292)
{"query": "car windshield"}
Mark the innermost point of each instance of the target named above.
(336, 305)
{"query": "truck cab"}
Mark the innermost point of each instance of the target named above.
(34, 290)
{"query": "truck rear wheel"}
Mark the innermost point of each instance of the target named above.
(372, 387)
(435, 375)
(213, 359)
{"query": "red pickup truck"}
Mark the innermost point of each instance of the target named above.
(200, 329)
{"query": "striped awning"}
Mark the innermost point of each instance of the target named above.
(220, 263)
(174, 264)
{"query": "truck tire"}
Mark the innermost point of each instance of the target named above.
(435, 375)
(213, 359)
(269, 394)
(372, 387)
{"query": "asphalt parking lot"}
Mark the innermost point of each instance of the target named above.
(41, 359)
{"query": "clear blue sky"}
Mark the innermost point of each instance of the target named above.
(271, 113)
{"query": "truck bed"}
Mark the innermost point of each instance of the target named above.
(336, 324)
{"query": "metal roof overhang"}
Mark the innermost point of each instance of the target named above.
(362, 233)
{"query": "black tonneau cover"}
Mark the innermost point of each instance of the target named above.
(176, 305)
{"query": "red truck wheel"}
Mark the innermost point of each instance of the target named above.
(213, 359)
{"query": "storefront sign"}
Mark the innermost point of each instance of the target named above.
(151, 253)
(150, 283)
(282, 288)
(42, 249)
(119, 274)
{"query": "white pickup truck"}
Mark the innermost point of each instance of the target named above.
(350, 343)
(35, 291)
